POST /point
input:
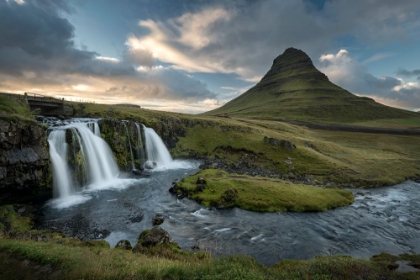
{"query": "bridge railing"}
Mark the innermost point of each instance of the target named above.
(29, 95)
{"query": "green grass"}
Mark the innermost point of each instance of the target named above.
(22, 259)
(15, 109)
(262, 194)
(360, 159)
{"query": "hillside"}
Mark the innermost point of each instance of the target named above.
(294, 90)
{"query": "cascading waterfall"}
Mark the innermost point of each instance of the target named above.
(156, 150)
(58, 153)
(101, 165)
(98, 165)
(94, 127)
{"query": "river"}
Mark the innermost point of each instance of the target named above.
(380, 220)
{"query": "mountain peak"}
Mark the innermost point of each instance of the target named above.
(293, 89)
(293, 62)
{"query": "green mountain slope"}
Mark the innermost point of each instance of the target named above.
(294, 89)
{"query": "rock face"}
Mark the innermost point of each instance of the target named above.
(288, 145)
(120, 136)
(24, 159)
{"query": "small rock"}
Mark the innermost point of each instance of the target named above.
(150, 164)
(195, 247)
(153, 237)
(288, 160)
(291, 175)
(158, 219)
(136, 171)
(201, 181)
(124, 245)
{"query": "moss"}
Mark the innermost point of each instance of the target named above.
(13, 222)
(224, 190)
(15, 108)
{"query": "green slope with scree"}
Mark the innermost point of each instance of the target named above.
(294, 90)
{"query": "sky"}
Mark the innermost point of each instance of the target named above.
(193, 56)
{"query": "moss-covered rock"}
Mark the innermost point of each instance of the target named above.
(224, 190)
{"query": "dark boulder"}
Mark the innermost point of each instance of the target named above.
(154, 237)
(158, 219)
(123, 245)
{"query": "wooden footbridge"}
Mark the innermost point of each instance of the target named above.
(44, 105)
(49, 106)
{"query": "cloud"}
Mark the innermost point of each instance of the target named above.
(240, 37)
(244, 37)
(352, 75)
(407, 73)
(378, 56)
(38, 54)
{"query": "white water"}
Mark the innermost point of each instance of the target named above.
(61, 172)
(156, 151)
(100, 168)
(100, 163)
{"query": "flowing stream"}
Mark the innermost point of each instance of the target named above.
(383, 219)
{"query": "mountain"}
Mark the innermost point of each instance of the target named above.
(293, 89)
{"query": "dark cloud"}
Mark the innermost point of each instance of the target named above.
(407, 73)
(382, 83)
(37, 48)
(258, 31)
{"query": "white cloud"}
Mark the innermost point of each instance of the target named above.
(106, 58)
(352, 75)
(189, 30)
(379, 56)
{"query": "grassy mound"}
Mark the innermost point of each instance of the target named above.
(14, 108)
(217, 188)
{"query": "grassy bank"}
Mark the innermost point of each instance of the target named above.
(14, 108)
(217, 188)
(27, 253)
(39, 260)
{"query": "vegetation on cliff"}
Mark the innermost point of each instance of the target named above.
(14, 108)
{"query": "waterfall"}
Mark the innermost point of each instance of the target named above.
(94, 127)
(100, 162)
(61, 172)
(156, 151)
(98, 165)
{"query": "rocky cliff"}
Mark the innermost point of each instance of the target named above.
(24, 159)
